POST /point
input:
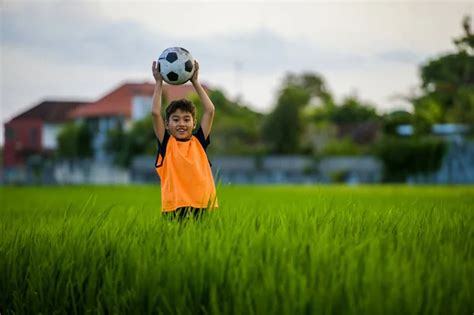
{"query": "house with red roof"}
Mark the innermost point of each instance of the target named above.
(31, 136)
(122, 106)
(34, 132)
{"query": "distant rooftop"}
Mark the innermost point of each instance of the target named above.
(119, 100)
(436, 129)
(116, 102)
(449, 129)
(50, 111)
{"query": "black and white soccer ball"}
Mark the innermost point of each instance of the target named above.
(176, 65)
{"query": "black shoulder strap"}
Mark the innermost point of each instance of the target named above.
(199, 134)
(160, 155)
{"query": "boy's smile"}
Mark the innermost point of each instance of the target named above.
(181, 124)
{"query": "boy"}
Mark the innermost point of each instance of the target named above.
(187, 184)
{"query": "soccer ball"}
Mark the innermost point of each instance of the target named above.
(176, 65)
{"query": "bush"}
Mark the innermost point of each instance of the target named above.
(402, 157)
(343, 146)
(74, 141)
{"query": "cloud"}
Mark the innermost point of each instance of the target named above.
(74, 34)
(264, 51)
(84, 49)
(401, 56)
(77, 34)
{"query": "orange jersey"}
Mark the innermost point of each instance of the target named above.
(185, 173)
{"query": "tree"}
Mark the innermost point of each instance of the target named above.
(67, 142)
(283, 127)
(313, 84)
(234, 131)
(74, 141)
(394, 119)
(117, 144)
(448, 84)
(236, 128)
(352, 111)
(125, 145)
(428, 111)
(405, 156)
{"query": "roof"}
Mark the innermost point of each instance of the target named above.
(50, 111)
(119, 101)
(449, 129)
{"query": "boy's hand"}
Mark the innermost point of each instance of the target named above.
(156, 72)
(195, 77)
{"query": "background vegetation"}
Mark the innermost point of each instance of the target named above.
(306, 110)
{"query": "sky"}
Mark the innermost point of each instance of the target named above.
(82, 50)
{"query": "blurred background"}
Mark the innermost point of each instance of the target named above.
(345, 92)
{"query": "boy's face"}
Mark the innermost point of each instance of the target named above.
(180, 125)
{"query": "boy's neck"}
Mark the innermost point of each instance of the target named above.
(183, 140)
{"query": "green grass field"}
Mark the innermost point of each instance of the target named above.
(267, 250)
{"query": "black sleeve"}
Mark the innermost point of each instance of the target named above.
(161, 149)
(199, 134)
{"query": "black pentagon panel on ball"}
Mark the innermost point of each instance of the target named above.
(172, 57)
(172, 76)
(188, 66)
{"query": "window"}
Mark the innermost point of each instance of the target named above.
(141, 107)
(33, 136)
(9, 133)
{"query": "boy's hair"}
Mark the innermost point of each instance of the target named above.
(182, 104)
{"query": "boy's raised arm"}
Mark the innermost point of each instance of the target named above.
(208, 113)
(158, 123)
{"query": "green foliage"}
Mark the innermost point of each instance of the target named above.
(353, 118)
(342, 147)
(294, 96)
(283, 127)
(312, 83)
(352, 111)
(448, 84)
(394, 119)
(125, 145)
(407, 156)
(339, 176)
(428, 111)
(117, 145)
(75, 141)
(67, 147)
(267, 250)
(142, 137)
(236, 128)
(466, 43)
(463, 106)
